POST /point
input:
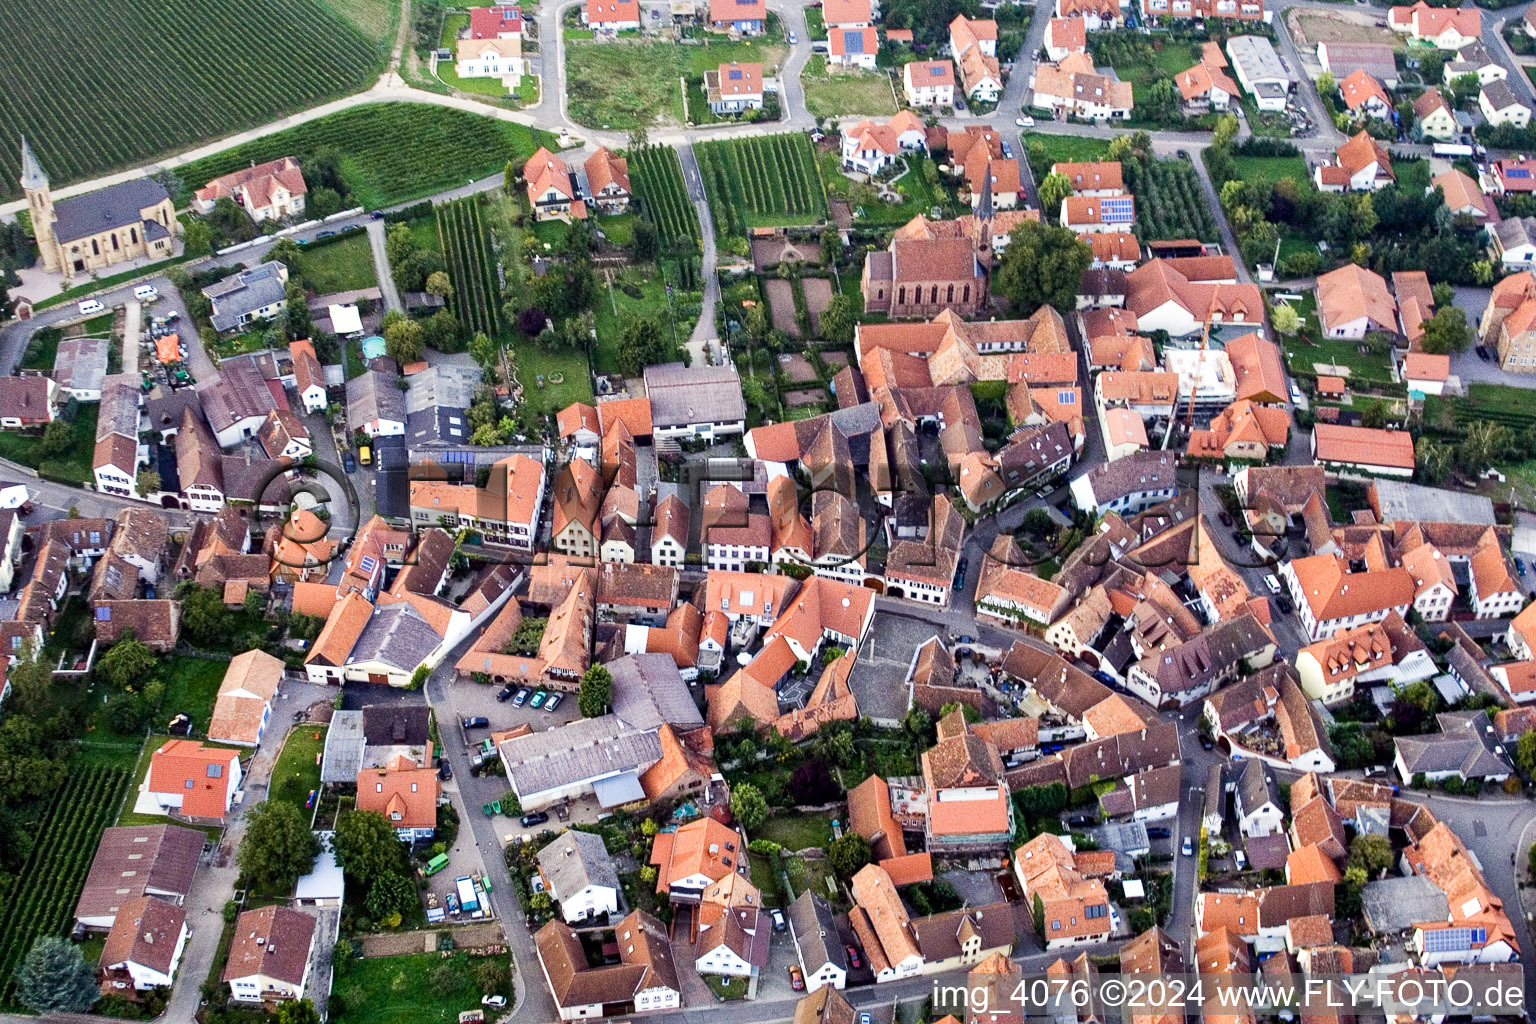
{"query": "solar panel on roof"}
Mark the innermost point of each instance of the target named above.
(1447, 940)
(735, 76)
(1517, 172)
(1117, 210)
(937, 69)
(368, 564)
(104, 614)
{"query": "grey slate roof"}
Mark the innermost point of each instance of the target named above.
(396, 724)
(1515, 232)
(344, 744)
(81, 363)
(396, 635)
(1140, 472)
(589, 748)
(1399, 499)
(1255, 787)
(576, 860)
(32, 176)
(437, 403)
(134, 860)
(244, 293)
(815, 933)
(373, 395)
(118, 206)
(681, 395)
(1464, 744)
(1500, 96)
(648, 690)
(1395, 904)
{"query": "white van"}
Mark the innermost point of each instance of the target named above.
(146, 293)
(90, 307)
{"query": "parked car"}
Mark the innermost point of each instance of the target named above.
(1206, 743)
(1024, 122)
(377, 215)
(1272, 582)
(1158, 832)
(554, 701)
(1284, 603)
(533, 818)
(793, 39)
(965, 639)
(779, 924)
(1519, 565)
(1237, 538)
(521, 698)
(445, 771)
(1240, 859)
(1081, 821)
(90, 307)
(865, 1018)
(496, 1001)
(1226, 520)
(960, 571)
(349, 463)
(1482, 353)
(505, 694)
(854, 960)
(796, 979)
(538, 700)
(477, 722)
(1189, 847)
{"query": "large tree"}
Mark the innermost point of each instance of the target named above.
(1042, 266)
(366, 845)
(848, 853)
(54, 978)
(642, 343)
(749, 805)
(1053, 189)
(1447, 331)
(404, 339)
(278, 846)
(128, 663)
(596, 692)
(838, 320)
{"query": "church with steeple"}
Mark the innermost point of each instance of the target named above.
(76, 236)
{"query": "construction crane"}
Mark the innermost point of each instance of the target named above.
(1205, 341)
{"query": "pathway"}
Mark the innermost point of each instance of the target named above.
(376, 230)
(704, 332)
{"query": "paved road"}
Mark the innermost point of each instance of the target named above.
(705, 331)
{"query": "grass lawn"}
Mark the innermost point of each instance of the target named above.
(1165, 63)
(191, 687)
(766, 879)
(342, 266)
(1062, 149)
(830, 92)
(624, 85)
(70, 466)
(726, 988)
(811, 875)
(297, 771)
(1309, 347)
(613, 307)
(1271, 168)
(1412, 176)
(531, 362)
(618, 227)
(250, 341)
(796, 831)
(406, 989)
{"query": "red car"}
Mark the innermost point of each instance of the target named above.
(796, 982)
(853, 957)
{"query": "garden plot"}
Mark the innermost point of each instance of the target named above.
(781, 303)
(818, 295)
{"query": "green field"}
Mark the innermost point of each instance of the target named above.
(297, 772)
(41, 898)
(1272, 168)
(340, 266)
(192, 687)
(832, 92)
(390, 152)
(172, 73)
(533, 361)
(623, 85)
(1166, 63)
(1045, 150)
(613, 307)
(406, 989)
(73, 465)
(761, 182)
(657, 178)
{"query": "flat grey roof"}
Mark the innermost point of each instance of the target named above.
(343, 748)
(81, 363)
(1400, 500)
(586, 749)
(1393, 905)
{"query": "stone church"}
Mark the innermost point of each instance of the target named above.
(78, 235)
